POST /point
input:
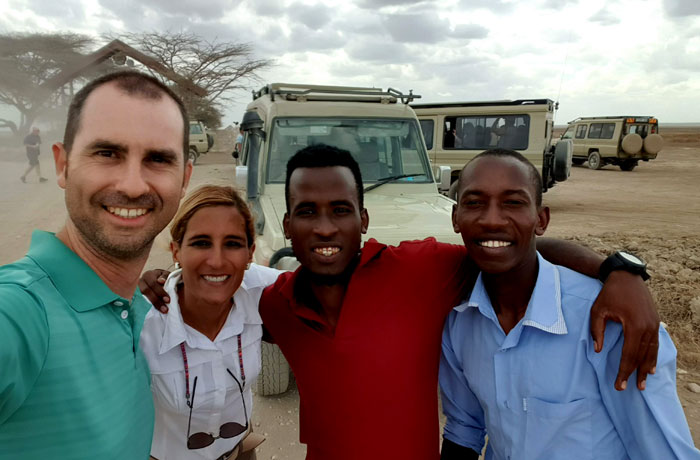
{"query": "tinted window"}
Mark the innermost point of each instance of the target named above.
(581, 131)
(195, 129)
(594, 132)
(484, 132)
(382, 148)
(601, 131)
(427, 126)
(607, 131)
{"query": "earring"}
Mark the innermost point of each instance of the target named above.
(177, 265)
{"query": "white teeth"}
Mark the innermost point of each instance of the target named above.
(127, 213)
(494, 244)
(215, 279)
(327, 252)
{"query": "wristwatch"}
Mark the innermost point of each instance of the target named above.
(623, 261)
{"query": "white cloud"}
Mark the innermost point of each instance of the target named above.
(596, 56)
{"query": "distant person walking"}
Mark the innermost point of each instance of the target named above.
(32, 143)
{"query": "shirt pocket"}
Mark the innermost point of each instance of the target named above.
(558, 430)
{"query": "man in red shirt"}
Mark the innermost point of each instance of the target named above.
(361, 327)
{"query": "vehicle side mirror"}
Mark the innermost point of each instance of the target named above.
(444, 178)
(241, 177)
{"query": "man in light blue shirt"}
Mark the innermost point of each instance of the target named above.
(518, 361)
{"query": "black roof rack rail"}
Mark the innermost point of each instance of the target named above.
(431, 105)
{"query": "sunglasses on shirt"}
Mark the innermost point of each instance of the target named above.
(227, 430)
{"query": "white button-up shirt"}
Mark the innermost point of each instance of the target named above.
(217, 399)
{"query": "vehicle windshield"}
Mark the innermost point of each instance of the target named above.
(383, 148)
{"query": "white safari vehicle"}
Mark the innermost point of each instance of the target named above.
(456, 132)
(380, 130)
(200, 140)
(623, 141)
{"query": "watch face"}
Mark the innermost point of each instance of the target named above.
(630, 258)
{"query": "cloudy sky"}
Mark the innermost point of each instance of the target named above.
(596, 57)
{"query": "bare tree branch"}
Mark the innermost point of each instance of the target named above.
(221, 68)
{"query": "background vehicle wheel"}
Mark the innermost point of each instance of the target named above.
(653, 143)
(578, 161)
(274, 373)
(193, 155)
(210, 140)
(632, 143)
(594, 160)
(561, 168)
(452, 192)
(628, 165)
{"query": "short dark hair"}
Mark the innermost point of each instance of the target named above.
(132, 83)
(535, 177)
(323, 156)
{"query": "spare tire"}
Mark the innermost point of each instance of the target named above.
(653, 143)
(562, 160)
(210, 141)
(632, 143)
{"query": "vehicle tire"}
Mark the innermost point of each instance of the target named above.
(628, 165)
(578, 161)
(452, 192)
(193, 155)
(632, 143)
(594, 160)
(562, 160)
(653, 143)
(210, 141)
(274, 372)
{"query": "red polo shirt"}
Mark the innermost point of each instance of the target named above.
(369, 391)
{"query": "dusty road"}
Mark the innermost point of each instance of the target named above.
(653, 211)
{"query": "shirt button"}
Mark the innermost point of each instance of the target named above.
(118, 303)
(125, 314)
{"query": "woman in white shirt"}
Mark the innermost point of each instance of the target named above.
(204, 354)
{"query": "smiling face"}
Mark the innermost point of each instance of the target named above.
(324, 222)
(497, 214)
(213, 254)
(125, 173)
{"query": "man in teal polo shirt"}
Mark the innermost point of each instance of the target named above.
(74, 383)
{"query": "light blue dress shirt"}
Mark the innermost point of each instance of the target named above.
(541, 391)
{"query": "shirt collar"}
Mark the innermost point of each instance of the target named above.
(72, 277)
(544, 310)
(368, 252)
(177, 332)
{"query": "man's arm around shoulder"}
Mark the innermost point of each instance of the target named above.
(25, 338)
(651, 423)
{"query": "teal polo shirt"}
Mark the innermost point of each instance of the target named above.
(73, 382)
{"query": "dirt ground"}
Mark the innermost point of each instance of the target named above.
(653, 211)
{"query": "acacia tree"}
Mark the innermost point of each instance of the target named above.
(26, 62)
(221, 68)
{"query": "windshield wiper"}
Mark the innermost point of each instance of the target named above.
(386, 180)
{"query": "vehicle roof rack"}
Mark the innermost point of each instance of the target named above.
(301, 93)
(431, 105)
(613, 117)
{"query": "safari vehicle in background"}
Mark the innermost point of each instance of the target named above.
(456, 132)
(382, 133)
(200, 140)
(621, 140)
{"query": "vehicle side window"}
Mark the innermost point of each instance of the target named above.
(607, 131)
(569, 133)
(427, 126)
(581, 131)
(594, 132)
(195, 128)
(482, 132)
